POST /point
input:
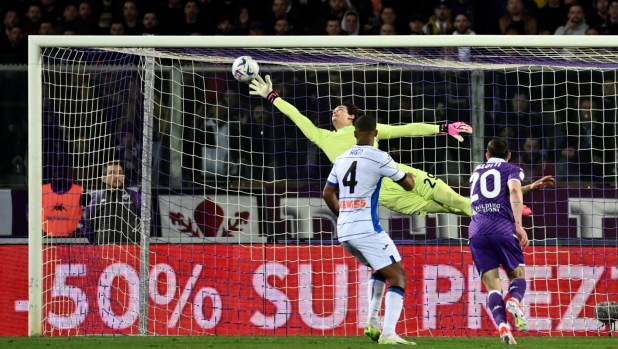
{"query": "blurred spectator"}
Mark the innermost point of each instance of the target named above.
(462, 27)
(17, 51)
(520, 119)
(63, 203)
(51, 10)
(129, 152)
(591, 31)
(150, 23)
(257, 144)
(113, 216)
(220, 8)
(524, 23)
(460, 7)
(192, 25)
(588, 151)
(256, 28)
(46, 28)
(551, 16)
(351, 23)
(85, 23)
(284, 9)
(597, 17)
(511, 30)
(171, 15)
(68, 19)
(215, 137)
(533, 160)
(335, 9)
(130, 15)
(387, 29)
(440, 23)
(243, 20)
(108, 12)
(416, 24)
(576, 25)
(33, 24)
(610, 26)
(225, 26)
(282, 27)
(11, 20)
(333, 26)
(116, 29)
(609, 100)
(388, 15)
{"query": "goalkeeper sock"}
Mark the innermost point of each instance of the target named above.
(272, 96)
(495, 303)
(394, 304)
(517, 289)
(377, 285)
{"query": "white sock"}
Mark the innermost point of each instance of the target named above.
(394, 304)
(376, 287)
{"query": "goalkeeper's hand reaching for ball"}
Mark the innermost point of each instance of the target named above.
(259, 87)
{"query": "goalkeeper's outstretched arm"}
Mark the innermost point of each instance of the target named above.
(259, 87)
(418, 129)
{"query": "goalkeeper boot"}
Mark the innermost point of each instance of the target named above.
(514, 307)
(526, 211)
(372, 332)
(506, 335)
(393, 339)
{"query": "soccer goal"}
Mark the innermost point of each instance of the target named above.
(190, 207)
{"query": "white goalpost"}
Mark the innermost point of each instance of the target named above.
(224, 230)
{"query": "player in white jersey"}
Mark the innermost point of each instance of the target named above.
(358, 174)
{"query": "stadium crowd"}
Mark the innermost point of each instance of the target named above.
(533, 128)
(300, 17)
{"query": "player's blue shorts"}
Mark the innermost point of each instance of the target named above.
(491, 251)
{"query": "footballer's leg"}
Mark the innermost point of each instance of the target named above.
(487, 262)
(513, 262)
(375, 290)
(397, 280)
(382, 254)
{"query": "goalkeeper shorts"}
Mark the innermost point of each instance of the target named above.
(397, 199)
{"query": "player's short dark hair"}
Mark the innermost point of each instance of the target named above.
(498, 148)
(112, 163)
(352, 109)
(333, 18)
(365, 123)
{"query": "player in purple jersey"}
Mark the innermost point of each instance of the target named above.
(496, 232)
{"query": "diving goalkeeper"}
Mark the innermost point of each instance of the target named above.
(430, 194)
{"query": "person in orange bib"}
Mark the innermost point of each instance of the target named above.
(62, 206)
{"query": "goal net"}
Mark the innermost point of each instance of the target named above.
(174, 203)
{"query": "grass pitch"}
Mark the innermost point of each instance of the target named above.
(127, 342)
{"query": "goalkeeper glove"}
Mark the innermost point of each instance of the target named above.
(263, 88)
(455, 129)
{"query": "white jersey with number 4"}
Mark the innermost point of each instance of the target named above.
(358, 173)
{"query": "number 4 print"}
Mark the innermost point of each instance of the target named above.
(351, 182)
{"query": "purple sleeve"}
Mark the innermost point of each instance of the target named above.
(137, 196)
(90, 214)
(516, 173)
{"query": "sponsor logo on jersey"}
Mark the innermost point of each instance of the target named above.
(352, 204)
(59, 207)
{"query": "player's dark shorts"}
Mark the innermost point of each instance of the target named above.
(491, 251)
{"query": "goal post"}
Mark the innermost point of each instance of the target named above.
(284, 274)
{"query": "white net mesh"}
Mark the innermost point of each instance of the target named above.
(228, 189)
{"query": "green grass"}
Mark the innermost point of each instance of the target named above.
(126, 342)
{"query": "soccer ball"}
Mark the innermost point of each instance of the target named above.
(245, 69)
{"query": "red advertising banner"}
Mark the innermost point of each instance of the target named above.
(292, 290)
